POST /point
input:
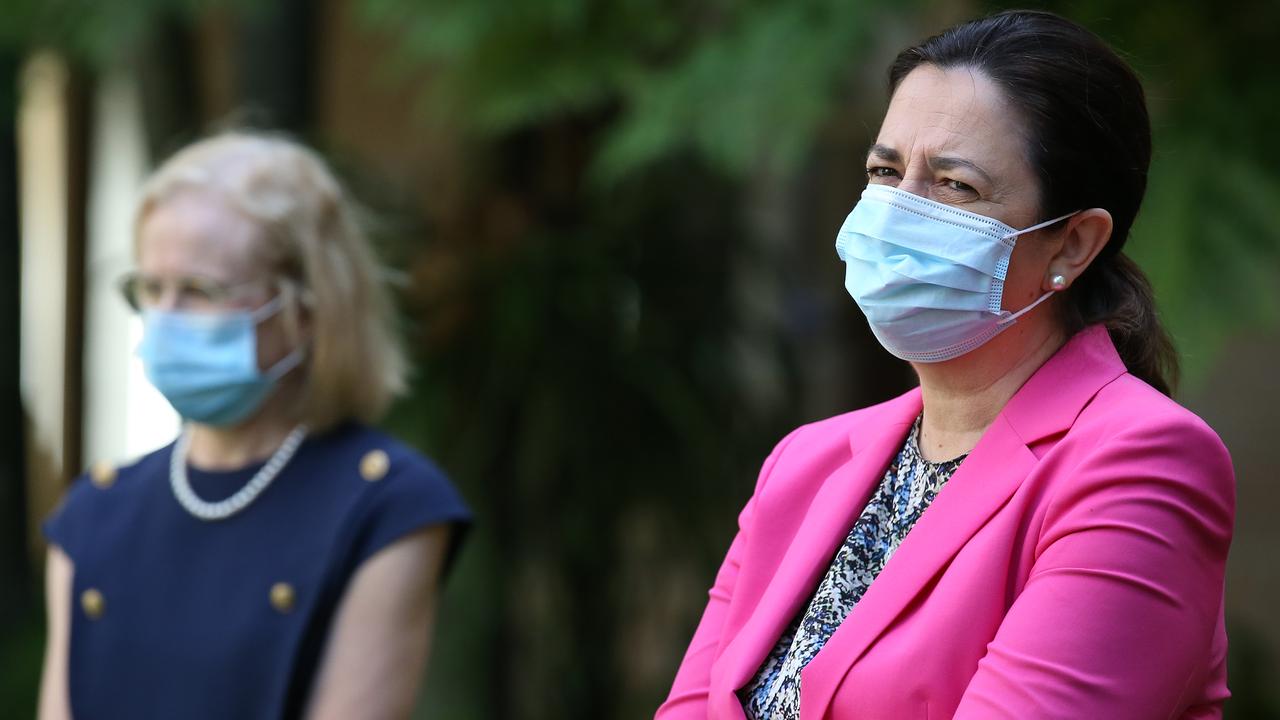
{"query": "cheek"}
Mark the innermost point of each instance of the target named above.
(1025, 280)
(272, 342)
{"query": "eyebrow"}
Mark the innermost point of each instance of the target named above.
(938, 162)
(884, 152)
(950, 163)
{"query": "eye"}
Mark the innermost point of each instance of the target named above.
(880, 171)
(141, 291)
(149, 290)
(200, 293)
(959, 186)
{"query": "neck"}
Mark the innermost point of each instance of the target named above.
(963, 396)
(252, 440)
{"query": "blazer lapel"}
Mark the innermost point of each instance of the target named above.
(826, 523)
(1046, 405)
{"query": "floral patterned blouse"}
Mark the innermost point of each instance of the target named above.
(909, 485)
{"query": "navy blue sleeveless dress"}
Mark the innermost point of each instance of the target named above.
(176, 617)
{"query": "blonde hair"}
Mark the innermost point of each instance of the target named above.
(310, 237)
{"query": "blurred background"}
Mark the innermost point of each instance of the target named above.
(611, 228)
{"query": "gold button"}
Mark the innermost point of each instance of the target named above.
(103, 474)
(374, 465)
(93, 604)
(282, 596)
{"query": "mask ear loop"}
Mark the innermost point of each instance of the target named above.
(1038, 226)
(1014, 316)
(286, 363)
(295, 357)
(270, 308)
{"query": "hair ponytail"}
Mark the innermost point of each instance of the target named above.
(1116, 293)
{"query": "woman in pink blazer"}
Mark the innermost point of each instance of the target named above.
(1038, 530)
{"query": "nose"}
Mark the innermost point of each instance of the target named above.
(917, 177)
(916, 184)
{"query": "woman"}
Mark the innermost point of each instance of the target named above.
(1038, 530)
(281, 557)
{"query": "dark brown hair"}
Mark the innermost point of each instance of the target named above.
(1089, 141)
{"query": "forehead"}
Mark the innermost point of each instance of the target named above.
(954, 111)
(196, 232)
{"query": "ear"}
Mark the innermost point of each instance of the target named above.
(1087, 232)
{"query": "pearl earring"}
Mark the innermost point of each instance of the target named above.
(1058, 282)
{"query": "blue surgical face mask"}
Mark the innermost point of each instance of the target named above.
(928, 276)
(206, 364)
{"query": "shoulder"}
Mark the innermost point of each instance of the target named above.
(104, 496)
(398, 489)
(1133, 444)
(106, 482)
(1129, 412)
(841, 434)
(373, 459)
(811, 452)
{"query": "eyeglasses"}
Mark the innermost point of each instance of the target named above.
(193, 293)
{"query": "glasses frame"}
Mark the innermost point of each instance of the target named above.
(215, 295)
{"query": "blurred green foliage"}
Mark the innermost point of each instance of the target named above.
(589, 414)
(21, 654)
(87, 30)
(746, 85)
(593, 406)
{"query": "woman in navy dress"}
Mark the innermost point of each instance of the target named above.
(281, 558)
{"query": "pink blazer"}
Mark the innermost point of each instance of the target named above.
(1071, 568)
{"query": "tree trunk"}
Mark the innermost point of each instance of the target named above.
(167, 81)
(275, 49)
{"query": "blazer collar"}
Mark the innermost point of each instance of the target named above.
(1049, 402)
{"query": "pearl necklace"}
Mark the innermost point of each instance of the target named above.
(224, 509)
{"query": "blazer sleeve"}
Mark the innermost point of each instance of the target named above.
(1119, 613)
(688, 698)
